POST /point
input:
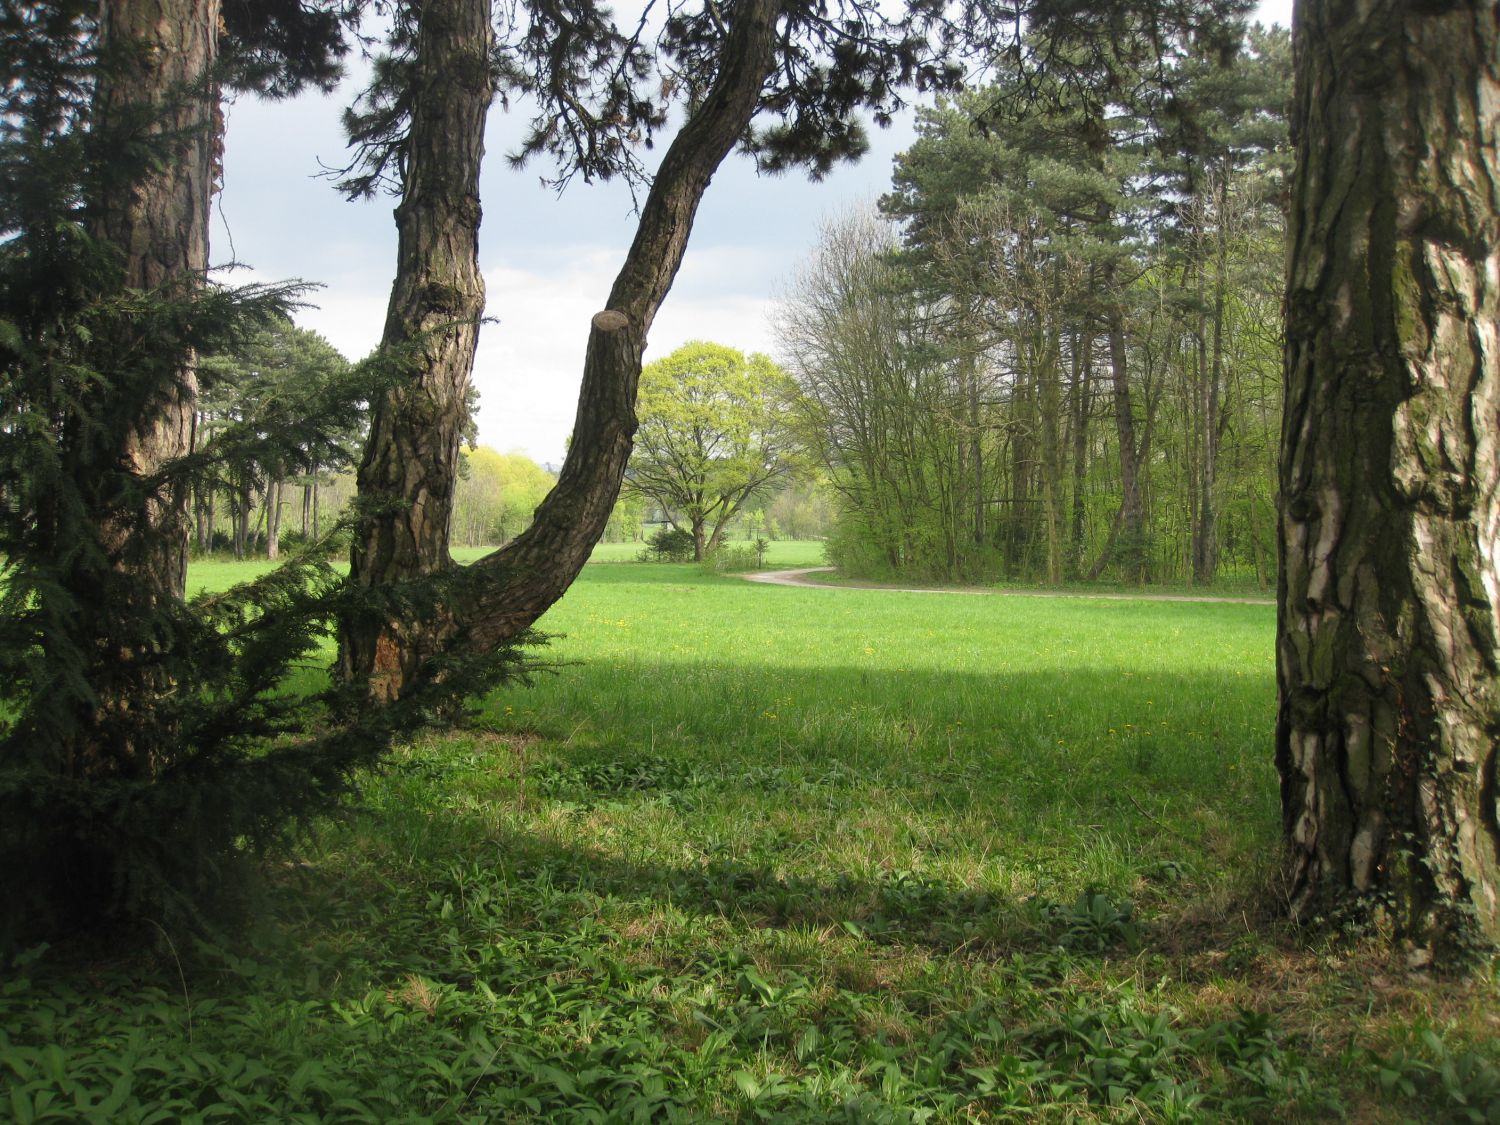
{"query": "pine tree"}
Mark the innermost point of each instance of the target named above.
(1389, 607)
(783, 80)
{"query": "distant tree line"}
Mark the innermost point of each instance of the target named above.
(269, 395)
(1055, 353)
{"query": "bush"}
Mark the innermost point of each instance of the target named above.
(731, 560)
(668, 544)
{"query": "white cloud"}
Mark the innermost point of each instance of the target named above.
(530, 363)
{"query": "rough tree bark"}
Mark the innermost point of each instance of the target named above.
(160, 53)
(410, 462)
(1390, 525)
(508, 590)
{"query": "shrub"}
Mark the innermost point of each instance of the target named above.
(668, 544)
(731, 560)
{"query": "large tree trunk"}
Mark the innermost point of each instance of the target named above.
(1390, 472)
(506, 591)
(410, 465)
(161, 53)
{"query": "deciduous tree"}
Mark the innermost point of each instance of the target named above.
(713, 434)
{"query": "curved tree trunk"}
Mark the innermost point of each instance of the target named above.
(1390, 526)
(505, 592)
(408, 473)
(161, 54)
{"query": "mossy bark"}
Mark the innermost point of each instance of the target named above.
(1389, 592)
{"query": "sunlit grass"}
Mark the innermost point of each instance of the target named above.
(1024, 718)
(764, 853)
(220, 574)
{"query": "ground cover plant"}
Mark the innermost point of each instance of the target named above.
(785, 854)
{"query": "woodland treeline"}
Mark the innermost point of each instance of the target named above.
(285, 475)
(1055, 352)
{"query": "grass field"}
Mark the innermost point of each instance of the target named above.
(756, 853)
(781, 553)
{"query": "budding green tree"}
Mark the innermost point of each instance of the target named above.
(713, 434)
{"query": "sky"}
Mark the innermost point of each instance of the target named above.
(548, 260)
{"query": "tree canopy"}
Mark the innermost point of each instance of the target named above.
(1055, 266)
(714, 434)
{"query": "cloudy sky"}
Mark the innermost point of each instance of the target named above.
(548, 261)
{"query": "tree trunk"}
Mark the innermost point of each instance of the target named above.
(203, 515)
(1211, 376)
(1390, 525)
(506, 591)
(1049, 411)
(161, 54)
(212, 512)
(410, 464)
(242, 504)
(273, 519)
(1018, 537)
(1083, 373)
(1131, 538)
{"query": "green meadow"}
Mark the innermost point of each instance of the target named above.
(755, 853)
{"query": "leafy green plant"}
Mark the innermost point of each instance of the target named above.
(1094, 923)
(732, 560)
(1462, 1085)
(668, 544)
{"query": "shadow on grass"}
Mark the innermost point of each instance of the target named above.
(901, 909)
(1032, 746)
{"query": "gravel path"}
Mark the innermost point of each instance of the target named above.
(799, 577)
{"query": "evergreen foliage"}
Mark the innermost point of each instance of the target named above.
(283, 407)
(148, 746)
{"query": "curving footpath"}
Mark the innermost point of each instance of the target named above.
(799, 577)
